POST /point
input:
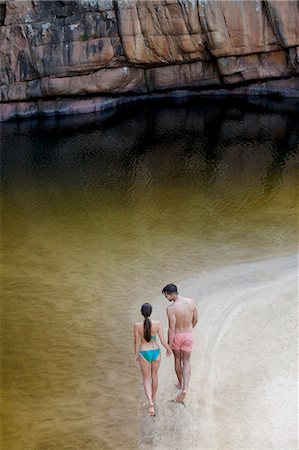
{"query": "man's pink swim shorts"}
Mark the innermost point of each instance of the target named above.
(183, 341)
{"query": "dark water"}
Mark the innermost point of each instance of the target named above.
(97, 214)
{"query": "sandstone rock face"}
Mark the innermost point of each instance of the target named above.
(161, 32)
(191, 75)
(52, 49)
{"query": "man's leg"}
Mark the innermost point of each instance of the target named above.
(186, 375)
(186, 369)
(178, 367)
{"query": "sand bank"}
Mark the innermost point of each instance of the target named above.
(243, 390)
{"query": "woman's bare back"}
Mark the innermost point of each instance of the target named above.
(154, 331)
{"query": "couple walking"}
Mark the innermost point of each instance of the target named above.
(182, 318)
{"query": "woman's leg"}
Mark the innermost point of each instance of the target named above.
(145, 367)
(155, 368)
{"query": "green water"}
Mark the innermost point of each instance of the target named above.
(98, 214)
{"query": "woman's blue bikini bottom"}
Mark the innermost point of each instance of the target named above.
(150, 355)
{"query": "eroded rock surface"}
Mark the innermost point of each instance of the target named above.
(100, 47)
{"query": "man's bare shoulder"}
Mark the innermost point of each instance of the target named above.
(170, 308)
(189, 300)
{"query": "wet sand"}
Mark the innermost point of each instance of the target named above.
(243, 389)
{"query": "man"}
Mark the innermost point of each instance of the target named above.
(182, 318)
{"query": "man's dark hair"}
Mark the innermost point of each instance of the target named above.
(170, 289)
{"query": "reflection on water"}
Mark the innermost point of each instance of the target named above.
(97, 215)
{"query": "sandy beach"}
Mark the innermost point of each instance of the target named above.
(243, 389)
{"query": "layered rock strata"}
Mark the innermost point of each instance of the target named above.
(51, 51)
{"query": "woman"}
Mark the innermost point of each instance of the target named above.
(147, 352)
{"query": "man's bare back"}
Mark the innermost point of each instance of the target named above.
(182, 310)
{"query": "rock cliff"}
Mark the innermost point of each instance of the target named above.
(80, 56)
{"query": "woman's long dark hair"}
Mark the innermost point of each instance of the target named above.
(146, 310)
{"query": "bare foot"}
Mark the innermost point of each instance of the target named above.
(151, 410)
(181, 396)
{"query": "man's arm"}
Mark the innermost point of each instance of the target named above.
(171, 325)
(195, 317)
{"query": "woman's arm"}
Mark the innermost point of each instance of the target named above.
(163, 342)
(136, 343)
